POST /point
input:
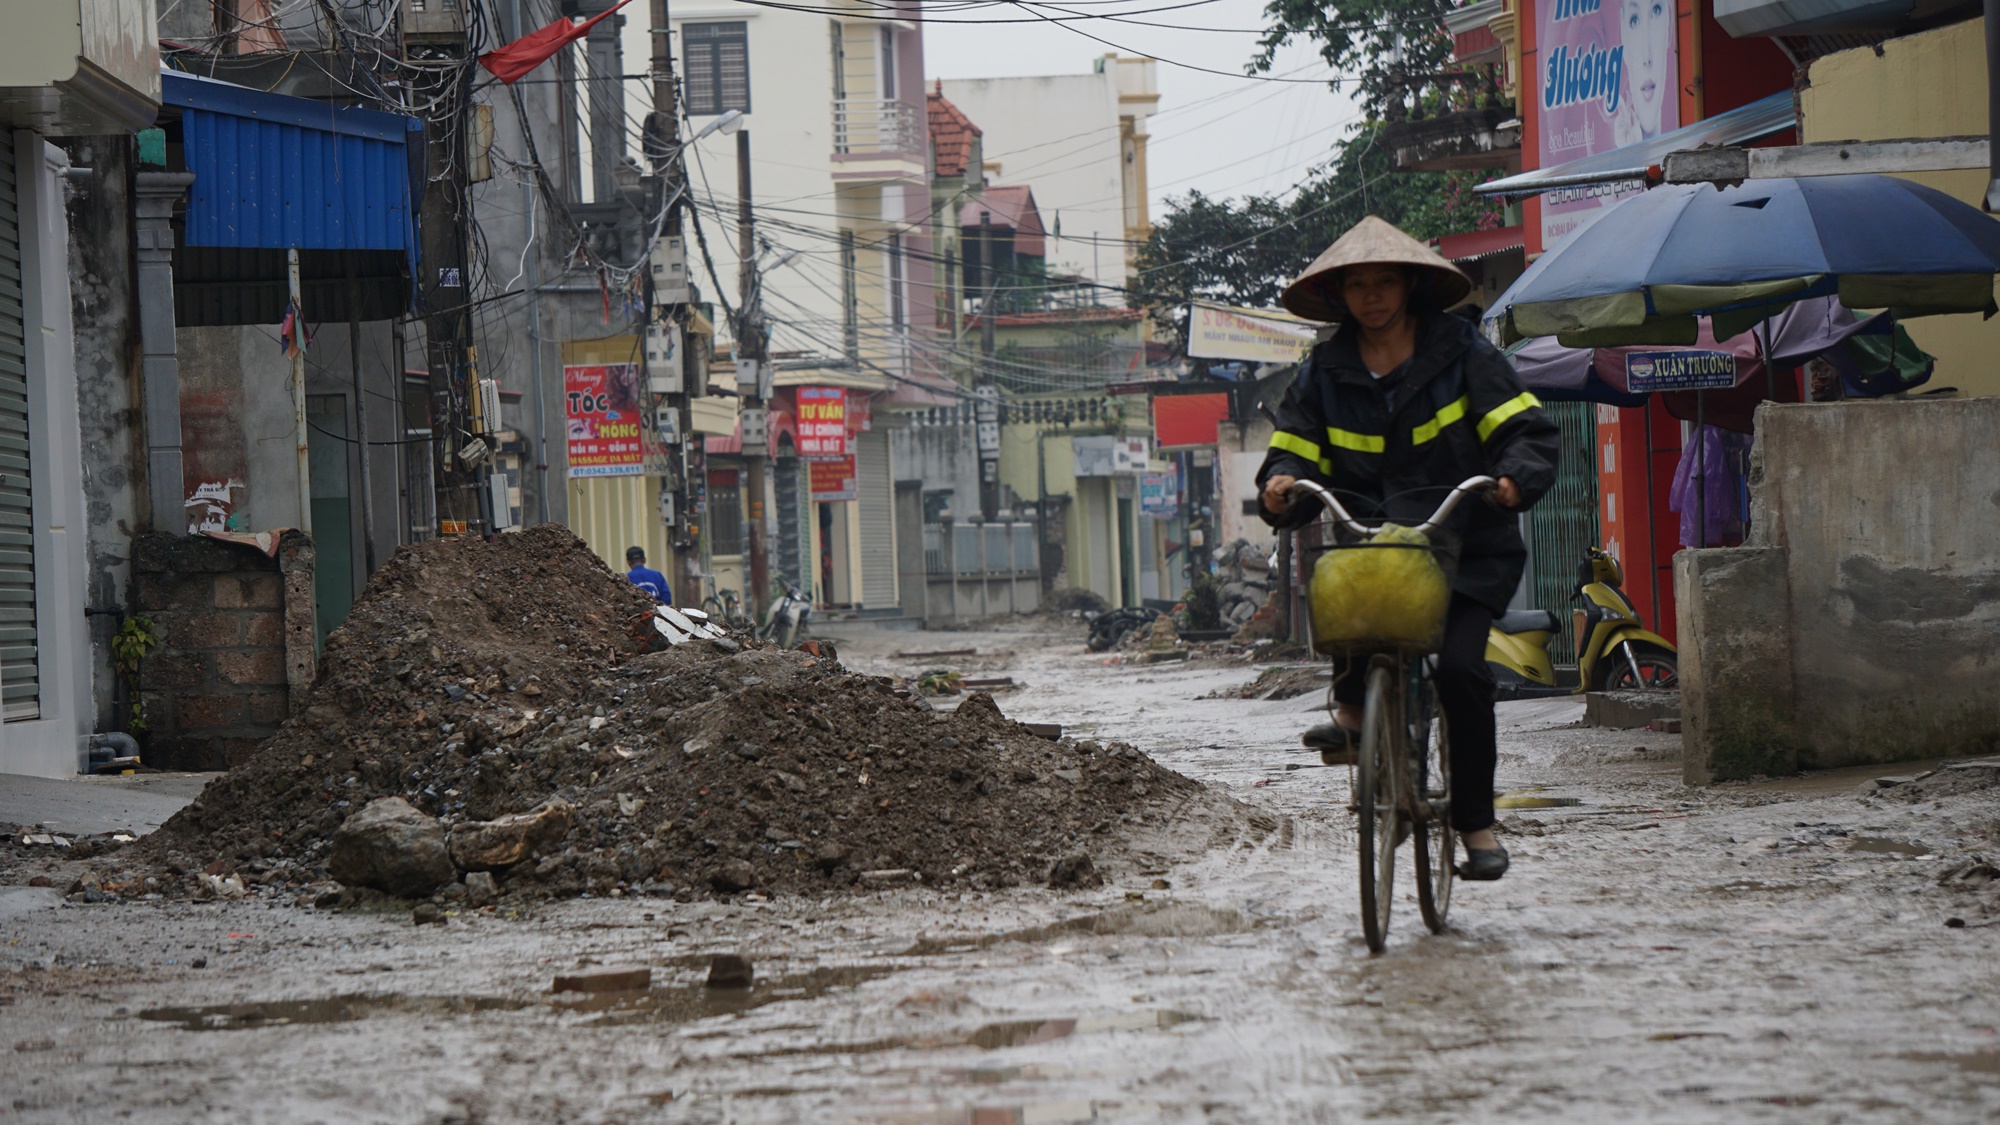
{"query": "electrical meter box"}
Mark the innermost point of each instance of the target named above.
(666, 358)
(670, 274)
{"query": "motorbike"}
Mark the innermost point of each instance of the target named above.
(1614, 649)
(786, 622)
(1111, 626)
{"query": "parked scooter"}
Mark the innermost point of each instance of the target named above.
(786, 623)
(1614, 650)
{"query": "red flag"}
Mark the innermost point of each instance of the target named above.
(516, 59)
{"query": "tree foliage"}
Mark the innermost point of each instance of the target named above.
(1245, 252)
(1388, 49)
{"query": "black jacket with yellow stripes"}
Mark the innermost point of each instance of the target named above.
(1393, 447)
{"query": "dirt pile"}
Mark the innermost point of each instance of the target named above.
(478, 680)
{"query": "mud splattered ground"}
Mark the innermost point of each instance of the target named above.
(1764, 952)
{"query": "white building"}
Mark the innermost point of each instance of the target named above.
(1080, 141)
(840, 186)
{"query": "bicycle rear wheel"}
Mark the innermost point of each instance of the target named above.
(1435, 838)
(1375, 800)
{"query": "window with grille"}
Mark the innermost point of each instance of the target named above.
(725, 513)
(718, 67)
(895, 252)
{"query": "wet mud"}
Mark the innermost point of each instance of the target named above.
(1821, 950)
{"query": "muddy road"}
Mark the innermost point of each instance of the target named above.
(1813, 950)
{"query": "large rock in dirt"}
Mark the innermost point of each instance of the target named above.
(1075, 872)
(490, 845)
(391, 847)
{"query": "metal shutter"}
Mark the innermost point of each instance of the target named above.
(876, 487)
(20, 691)
(794, 523)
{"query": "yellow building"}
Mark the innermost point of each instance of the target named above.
(1930, 84)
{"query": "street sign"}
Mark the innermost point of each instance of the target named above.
(1646, 372)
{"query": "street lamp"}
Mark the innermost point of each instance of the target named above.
(726, 123)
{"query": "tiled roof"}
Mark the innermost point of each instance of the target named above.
(951, 134)
(1014, 212)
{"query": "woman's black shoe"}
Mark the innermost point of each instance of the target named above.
(1483, 865)
(1337, 745)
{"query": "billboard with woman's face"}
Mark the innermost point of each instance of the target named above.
(1606, 77)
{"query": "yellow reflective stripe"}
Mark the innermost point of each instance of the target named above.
(1497, 417)
(1452, 412)
(1360, 443)
(1293, 443)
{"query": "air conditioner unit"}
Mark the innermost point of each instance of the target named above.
(666, 358)
(670, 274)
(489, 406)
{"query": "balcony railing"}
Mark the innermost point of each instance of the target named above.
(870, 125)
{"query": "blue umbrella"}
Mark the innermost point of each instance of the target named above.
(1653, 263)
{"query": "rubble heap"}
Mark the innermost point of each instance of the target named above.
(1243, 579)
(503, 695)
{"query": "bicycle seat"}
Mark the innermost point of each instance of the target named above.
(1526, 621)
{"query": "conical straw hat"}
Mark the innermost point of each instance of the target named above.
(1374, 241)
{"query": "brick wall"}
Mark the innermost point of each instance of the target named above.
(221, 681)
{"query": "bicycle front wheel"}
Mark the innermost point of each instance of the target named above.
(1434, 835)
(1375, 799)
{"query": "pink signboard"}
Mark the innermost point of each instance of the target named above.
(603, 417)
(1608, 78)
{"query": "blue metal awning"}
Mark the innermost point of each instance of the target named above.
(280, 172)
(1765, 117)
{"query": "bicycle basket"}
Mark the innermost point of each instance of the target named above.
(1381, 592)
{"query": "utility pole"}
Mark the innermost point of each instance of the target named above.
(986, 411)
(441, 283)
(750, 350)
(672, 170)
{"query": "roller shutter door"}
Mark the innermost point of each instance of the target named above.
(20, 691)
(876, 488)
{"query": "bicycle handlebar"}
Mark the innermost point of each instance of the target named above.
(1340, 513)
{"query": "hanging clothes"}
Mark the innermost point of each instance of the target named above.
(1723, 457)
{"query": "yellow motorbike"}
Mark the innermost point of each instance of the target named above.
(1614, 649)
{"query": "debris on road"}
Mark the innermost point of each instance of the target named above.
(393, 848)
(495, 698)
(731, 970)
(605, 980)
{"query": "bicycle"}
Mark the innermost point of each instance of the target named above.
(1402, 778)
(725, 606)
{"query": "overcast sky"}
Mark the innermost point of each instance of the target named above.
(1223, 135)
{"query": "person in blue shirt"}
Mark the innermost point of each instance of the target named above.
(647, 579)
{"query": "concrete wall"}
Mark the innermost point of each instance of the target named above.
(101, 279)
(1239, 451)
(1871, 580)
(1083, 180)
(1932, 84)
(946, 458)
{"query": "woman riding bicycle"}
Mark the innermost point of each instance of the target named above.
(1401, 404)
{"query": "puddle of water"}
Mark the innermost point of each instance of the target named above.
(688, 1003)
(1983, 1062)
(1152, 920)
(329, 1009)
(681, 1004)
(994, 1036)
(1021, 1033)
(1536, 802)
(1882, 845)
